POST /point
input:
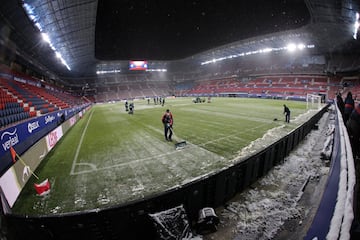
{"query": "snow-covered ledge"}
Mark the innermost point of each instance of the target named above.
(344, 214)
(335, 214)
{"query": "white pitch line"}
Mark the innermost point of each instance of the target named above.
(140, 185)
(80, 143)
(127, 163)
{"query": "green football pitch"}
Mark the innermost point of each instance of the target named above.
(111, 157)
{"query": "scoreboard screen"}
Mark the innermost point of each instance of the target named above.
(138, 65)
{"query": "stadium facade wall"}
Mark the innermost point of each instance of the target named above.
(132, 221)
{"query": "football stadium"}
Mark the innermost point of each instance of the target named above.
(130, 159)
(179, 120)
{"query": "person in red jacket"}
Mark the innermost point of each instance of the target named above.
(167, 120)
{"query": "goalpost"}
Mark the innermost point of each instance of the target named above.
(313, 101)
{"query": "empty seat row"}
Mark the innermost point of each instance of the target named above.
(36, 102)
(7, 99)
(6, 120)
(10, 111)
(42, 106)
(12, 105)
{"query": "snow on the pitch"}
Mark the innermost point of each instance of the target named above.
(273, 135)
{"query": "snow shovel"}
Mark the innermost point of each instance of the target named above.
(179, 144)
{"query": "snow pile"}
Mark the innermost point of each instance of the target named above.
(173, 224)
(328, 145)
(261, 217)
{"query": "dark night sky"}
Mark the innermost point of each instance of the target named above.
(168, 30)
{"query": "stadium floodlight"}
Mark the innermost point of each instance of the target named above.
(99, 72)
(265, 50)
(58, 55)
(291, 47)
(156, 70)
(45, 37)
(356, 25)
(34, 14)
(300, 46)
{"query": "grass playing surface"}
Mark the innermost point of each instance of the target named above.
(110, 157)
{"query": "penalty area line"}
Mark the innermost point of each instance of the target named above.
(72, 171)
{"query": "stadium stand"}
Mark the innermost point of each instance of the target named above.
(131, 90)
(277, 86)
(20, 100)
(11, 110)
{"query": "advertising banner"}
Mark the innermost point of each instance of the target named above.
(24, 135)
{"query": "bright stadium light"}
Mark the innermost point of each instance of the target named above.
(300, 46)
(265, 50)
(99, 72)
(34, 15)
(156, 70)
(291, 47)
(45, 37)
(356, 26)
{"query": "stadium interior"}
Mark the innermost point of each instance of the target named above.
(63, 54)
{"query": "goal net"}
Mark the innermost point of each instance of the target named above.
(313, 101)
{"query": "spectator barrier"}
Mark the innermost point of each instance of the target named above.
(335, 213)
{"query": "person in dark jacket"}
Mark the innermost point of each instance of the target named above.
(353, 126)
(167, 120)
(131, 108)
(126, 105)
(340, 103)
(287, 113)
(349, 106)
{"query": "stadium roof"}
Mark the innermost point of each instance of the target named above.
(89, 33)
